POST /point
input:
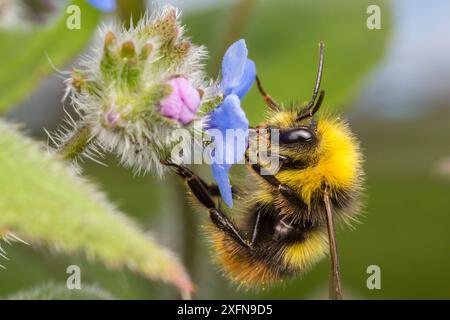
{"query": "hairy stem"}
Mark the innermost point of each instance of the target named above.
(76, 143)
(335, 276)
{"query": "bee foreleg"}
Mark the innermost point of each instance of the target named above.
(285, 190)
(213, 190)
(186, 173)
(200, 190)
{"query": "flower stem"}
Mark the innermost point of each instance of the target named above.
(76, 143)
(236, 26)
(335, 276)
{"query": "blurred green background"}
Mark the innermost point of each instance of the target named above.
(403, 126)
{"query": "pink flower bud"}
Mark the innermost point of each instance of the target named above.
(112, 118)
(182, 103)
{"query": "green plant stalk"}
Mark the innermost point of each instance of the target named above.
(76, 144)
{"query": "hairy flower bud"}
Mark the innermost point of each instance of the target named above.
(183, 101)
(138, 86)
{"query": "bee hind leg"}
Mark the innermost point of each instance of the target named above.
(200, 190)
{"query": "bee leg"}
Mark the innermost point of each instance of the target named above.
(283, 230)
(214, 191)
(200, 190)
(255, 229)
(285, 190)
(225, 224)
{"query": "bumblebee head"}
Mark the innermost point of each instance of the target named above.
(299, 136)
(297, 127)
(298, 140)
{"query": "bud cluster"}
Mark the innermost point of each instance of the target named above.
(136, 87)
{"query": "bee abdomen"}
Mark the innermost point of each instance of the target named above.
(269, 261)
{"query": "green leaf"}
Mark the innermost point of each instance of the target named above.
(52, 291)
(43, 201)
(24, 55)
(282, 37)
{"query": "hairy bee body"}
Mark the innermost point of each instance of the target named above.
(292, 230)
(283, 222)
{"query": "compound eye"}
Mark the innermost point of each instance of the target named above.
(296, 135)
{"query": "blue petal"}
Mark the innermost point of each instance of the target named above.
(220, 174)
(228, 116)
(104, 5)
(248, 77)
(233, 65)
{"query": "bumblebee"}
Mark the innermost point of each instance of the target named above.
(284, 223)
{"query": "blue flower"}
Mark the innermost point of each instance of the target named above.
(104, 5)
(238, 72)
(238, 75)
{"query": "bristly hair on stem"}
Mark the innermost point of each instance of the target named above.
(9, 238)
(75, 144)
(129, 89)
